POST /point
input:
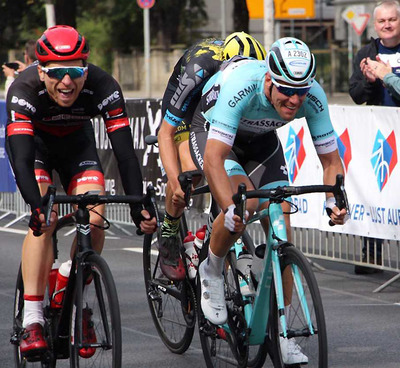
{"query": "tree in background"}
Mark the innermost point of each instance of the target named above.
(240, 16)
(109, 25)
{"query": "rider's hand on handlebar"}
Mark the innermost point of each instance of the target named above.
(232, 221)
(338, 217)
(37, 222)
(149, 224)
(178, 198)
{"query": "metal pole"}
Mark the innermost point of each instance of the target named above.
(146, 23)
(223, 19)
(350, 48)
(268, 23)
(50, 14)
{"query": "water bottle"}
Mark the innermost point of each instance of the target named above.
(188, 244)
(53, 277)
(61, 284)
(198, 244)
(244, 263)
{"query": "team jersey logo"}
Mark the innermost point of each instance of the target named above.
(295, 153)
(344, 147)
(384, 158)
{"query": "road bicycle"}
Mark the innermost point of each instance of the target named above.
(257, 324)
(90, 293)
(172, 303)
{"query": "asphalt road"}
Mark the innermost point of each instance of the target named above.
(363, 327)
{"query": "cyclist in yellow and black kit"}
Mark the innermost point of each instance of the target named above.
(181, 97)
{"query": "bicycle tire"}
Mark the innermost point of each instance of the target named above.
(172, 304)
(47, 360)
(226, 346)
(98, 302)
(314, 346)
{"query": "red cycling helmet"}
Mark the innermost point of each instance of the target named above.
(61, 43)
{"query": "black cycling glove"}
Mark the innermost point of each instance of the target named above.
(34, 222)
(136, 214)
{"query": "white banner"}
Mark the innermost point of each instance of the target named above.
(369, 145)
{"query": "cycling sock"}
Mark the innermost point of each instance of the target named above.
(170, 226)
(214, 265)
(33, 310)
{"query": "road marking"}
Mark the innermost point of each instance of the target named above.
(15, 231)
(139, 250)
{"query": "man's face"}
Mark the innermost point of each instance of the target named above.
(64, 89)
(387, 24)
(286, 106)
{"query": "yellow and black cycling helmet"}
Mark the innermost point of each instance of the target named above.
(241, 43)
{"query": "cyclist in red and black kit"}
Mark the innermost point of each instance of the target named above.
(49, 128)
(182, 95)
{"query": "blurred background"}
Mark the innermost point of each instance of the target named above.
(116, 32)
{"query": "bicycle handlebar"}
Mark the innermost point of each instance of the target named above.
(92, 198)
(186, 180)
(280, 193)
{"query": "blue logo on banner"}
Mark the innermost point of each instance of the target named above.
(384, 157)
(7, 182)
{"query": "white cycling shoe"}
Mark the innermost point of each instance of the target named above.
(213, 297)
(291, 352)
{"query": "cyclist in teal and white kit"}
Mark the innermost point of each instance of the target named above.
(233, 140)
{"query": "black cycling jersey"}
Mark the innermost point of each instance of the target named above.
(191, 72)
(31, 112)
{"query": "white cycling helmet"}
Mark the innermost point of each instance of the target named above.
(290, 60)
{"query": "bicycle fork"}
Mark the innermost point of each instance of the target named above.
(278, 239)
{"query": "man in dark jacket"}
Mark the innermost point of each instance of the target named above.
(366, 88)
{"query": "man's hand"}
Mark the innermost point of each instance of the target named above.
(149, 224)
(338, 217)
(178, 196)
(8, 72)
(37, 222)
(233, 222)
(143, 220)
(369, 76)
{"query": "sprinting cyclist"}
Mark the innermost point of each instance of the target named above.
(183, 92)
(49, 110)
(233, 140)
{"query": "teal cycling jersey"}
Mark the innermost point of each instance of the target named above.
(235, 105)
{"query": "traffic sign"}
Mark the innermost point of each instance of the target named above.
(294, 9)
(355, 16)
(146, 4)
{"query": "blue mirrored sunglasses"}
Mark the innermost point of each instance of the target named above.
(291, 91)
(59, 72)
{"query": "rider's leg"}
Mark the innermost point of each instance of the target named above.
(37, 259)
(210, 271)
(171, 264)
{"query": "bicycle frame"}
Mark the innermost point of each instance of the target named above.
(257, 313)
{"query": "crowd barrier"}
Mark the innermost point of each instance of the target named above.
(368, 145)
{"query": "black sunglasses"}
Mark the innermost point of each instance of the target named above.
(291, 91)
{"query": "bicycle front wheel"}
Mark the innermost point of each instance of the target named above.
(95, 323)
(305, 315)
(172, 304)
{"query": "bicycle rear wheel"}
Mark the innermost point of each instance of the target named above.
(95, 323)
(227, 345)
(47, 360)
(305, 319)
(172, 304)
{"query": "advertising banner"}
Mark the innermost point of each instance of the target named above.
(368, 140)
(7, 182)
(144, 118)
